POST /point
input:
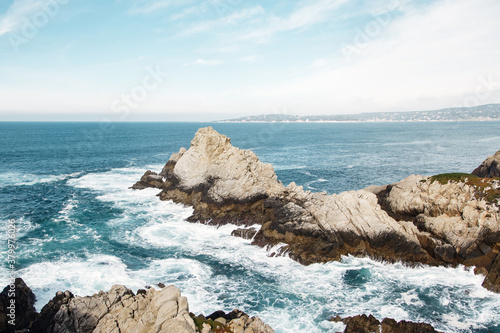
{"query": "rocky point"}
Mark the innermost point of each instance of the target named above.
(417, 220)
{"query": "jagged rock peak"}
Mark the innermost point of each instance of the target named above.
(224, 172)
(490, 167)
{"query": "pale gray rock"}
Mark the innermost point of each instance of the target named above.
(449, 211)
(256, 325)
(119, 310)
(233, 174)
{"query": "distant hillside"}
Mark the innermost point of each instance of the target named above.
(482, 112)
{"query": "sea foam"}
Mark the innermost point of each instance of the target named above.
(154, 243)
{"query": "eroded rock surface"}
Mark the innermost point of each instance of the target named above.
(416, 220)
(119, 310)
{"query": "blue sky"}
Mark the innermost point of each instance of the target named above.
(131, 60)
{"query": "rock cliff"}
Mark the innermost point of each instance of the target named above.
(120, 310)
(417, 220)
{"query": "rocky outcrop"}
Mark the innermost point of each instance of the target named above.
(235, 322)
(17, 306)
(417, 220)
(120, 310)
(44, 322)
(369, 324)
(490, 167)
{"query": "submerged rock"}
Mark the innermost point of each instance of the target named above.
(417, 220)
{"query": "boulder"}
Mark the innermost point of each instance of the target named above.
(245, 233)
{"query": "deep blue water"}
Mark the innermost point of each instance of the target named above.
(82, 228)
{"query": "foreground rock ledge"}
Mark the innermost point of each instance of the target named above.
(118, 310)
(417, 220)
(148, 311)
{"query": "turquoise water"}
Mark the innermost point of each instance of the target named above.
(81, 228)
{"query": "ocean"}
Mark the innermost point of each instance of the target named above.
(80, 227)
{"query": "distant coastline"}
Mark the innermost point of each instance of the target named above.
(489, 112)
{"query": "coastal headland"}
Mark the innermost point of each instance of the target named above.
(449, 219)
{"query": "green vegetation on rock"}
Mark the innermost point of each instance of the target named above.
(444, 178)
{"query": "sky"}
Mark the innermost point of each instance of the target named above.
(200, 60)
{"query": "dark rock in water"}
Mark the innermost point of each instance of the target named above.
(149, 179)
(414, 220)
(490, 167)
(360, 324)
(369, 324)
(391, 326)
(492, 280)
(245, 233)
(17, 307)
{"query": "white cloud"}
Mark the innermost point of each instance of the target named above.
(232, 19)
(321, 62)
(193, 10)
(19, 11)
(203, 62)
(308, 15)
(151, 6)
(427, 58)
(250, 58)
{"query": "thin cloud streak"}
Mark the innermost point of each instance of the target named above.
(149, 7)
(233, 19)
(19, 11)
(305, 16)
(203, 62)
